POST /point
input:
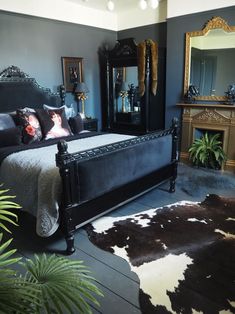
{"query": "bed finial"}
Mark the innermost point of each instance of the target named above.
(175, 122)
(62, 147)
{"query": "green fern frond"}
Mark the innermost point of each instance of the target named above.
(64, 284)
(18, 296)
(5, 214)
(4, 256)
(15, 293)
(51, 284)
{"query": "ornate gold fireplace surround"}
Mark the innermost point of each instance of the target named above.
(216, 117)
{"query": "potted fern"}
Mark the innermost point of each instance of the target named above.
(51, 284)
(207, 151)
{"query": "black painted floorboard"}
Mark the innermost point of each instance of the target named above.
(119, 285)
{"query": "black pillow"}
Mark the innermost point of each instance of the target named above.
(54, 123)
(76, 124)
(31, 127)
(10, 137)
(6, 121)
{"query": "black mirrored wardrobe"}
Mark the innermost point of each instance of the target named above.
(124, 110)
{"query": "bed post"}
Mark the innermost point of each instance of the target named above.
(174, 158)
(66, 200)
(62, 94)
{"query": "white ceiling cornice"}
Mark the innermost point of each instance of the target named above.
(125, 16)
(183, 7)
(94, 13)
(63, 10)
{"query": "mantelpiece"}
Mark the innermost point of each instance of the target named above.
(209, 117)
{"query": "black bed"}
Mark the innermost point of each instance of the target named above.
(99, 179)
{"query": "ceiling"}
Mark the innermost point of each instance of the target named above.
(120, 5)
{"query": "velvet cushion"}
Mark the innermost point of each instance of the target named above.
(10, 137)
(31, 127)
(6, 121)
(54, 123)
(76, 124)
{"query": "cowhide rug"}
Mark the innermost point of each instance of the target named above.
(183, 254)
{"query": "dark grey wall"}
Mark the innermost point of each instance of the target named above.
(156, 32)
(176, 29)
(36, 45)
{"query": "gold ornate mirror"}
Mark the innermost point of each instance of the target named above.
(210, 60)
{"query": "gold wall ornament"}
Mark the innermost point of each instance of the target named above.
(215, 23)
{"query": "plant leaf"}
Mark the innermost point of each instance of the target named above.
(64, 284)
(207, 151)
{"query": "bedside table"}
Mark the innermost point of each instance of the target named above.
(90, 124)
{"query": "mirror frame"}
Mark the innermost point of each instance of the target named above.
(215, 23)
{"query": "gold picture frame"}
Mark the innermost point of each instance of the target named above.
(72, 72)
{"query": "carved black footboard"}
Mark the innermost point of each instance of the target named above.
(88, 192)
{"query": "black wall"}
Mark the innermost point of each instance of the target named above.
(176, 29)
(36, 45)
(157, 32)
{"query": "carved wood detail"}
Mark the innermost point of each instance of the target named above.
(15, 74)
(13, 71)
(217, 22)
(210, 116)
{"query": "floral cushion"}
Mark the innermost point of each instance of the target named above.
(27, 118)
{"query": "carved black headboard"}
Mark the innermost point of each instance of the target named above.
(18, 90)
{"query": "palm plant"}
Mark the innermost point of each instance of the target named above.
(5, 205)
(51, 284)
(207, 151)
(12, 296)
(16, 294)
(64, 285)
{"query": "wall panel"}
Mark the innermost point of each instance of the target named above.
(36, 46)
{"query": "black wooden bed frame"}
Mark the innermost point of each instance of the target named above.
(75, 213)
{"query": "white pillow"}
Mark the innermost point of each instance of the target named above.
(28, 109)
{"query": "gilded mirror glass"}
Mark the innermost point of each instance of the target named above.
(210, 60)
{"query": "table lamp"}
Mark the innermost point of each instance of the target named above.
(81, 91)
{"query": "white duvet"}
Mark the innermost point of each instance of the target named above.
(33, 177)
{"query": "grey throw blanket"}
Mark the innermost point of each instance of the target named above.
(32, 176)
